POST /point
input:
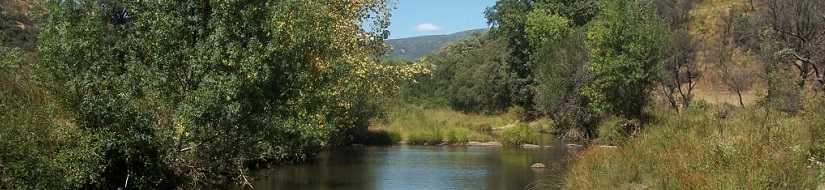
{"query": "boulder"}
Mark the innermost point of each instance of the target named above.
(538, 165)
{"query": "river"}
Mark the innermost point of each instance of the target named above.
(424, 167)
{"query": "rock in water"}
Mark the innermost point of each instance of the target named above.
(538, 165)
(530, 146)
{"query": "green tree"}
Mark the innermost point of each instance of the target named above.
(623, 41)
(190, 93)
(559, 57)
(507, 18)
(472, 74)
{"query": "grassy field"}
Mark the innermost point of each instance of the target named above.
(715, 147)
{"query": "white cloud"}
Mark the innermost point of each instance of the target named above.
(427, 27)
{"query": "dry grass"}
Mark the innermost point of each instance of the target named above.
(699, 149)
(418, 125)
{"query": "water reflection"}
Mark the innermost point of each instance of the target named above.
(419, 167)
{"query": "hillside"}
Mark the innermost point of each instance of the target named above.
(17, 29)
(705, 26)
(416, 47)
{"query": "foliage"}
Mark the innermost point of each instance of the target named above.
(203, 87)
(623, 41)
(616, 130)
(510, 19)
(559, 56)
(37, 150)
(17, 30)
(507, 18)
(422, 89)
(579, 12)
(472, 74)
(520, 134)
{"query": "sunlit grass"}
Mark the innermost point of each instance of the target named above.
(718, 148)
(417, 125)
(520, 134)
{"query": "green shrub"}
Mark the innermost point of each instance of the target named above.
(615, 130)
(520, 134)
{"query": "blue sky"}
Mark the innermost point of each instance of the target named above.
(433, 17)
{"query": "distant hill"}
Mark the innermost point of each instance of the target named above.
(416, 47)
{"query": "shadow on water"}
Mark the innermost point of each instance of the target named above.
(423, 167)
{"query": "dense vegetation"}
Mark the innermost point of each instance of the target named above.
(166, 94)
(101, 94)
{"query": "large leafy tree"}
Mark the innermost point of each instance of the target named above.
(623, 41)
(559, 56)
(509, 21)
(192, 92)
(472, 74)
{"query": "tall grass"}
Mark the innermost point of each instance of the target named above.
(419, 125)
(717, 148)
(520, 134)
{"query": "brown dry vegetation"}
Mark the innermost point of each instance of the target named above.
(706, 27)
(712, 148)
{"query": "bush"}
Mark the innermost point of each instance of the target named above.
(616, 130)
(520, 134)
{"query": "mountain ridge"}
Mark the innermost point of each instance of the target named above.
(416, 47)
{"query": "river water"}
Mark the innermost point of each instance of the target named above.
(424, 167)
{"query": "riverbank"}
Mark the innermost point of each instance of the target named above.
(715, 147)
(422, 126)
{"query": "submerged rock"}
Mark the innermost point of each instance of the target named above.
(538, 165)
